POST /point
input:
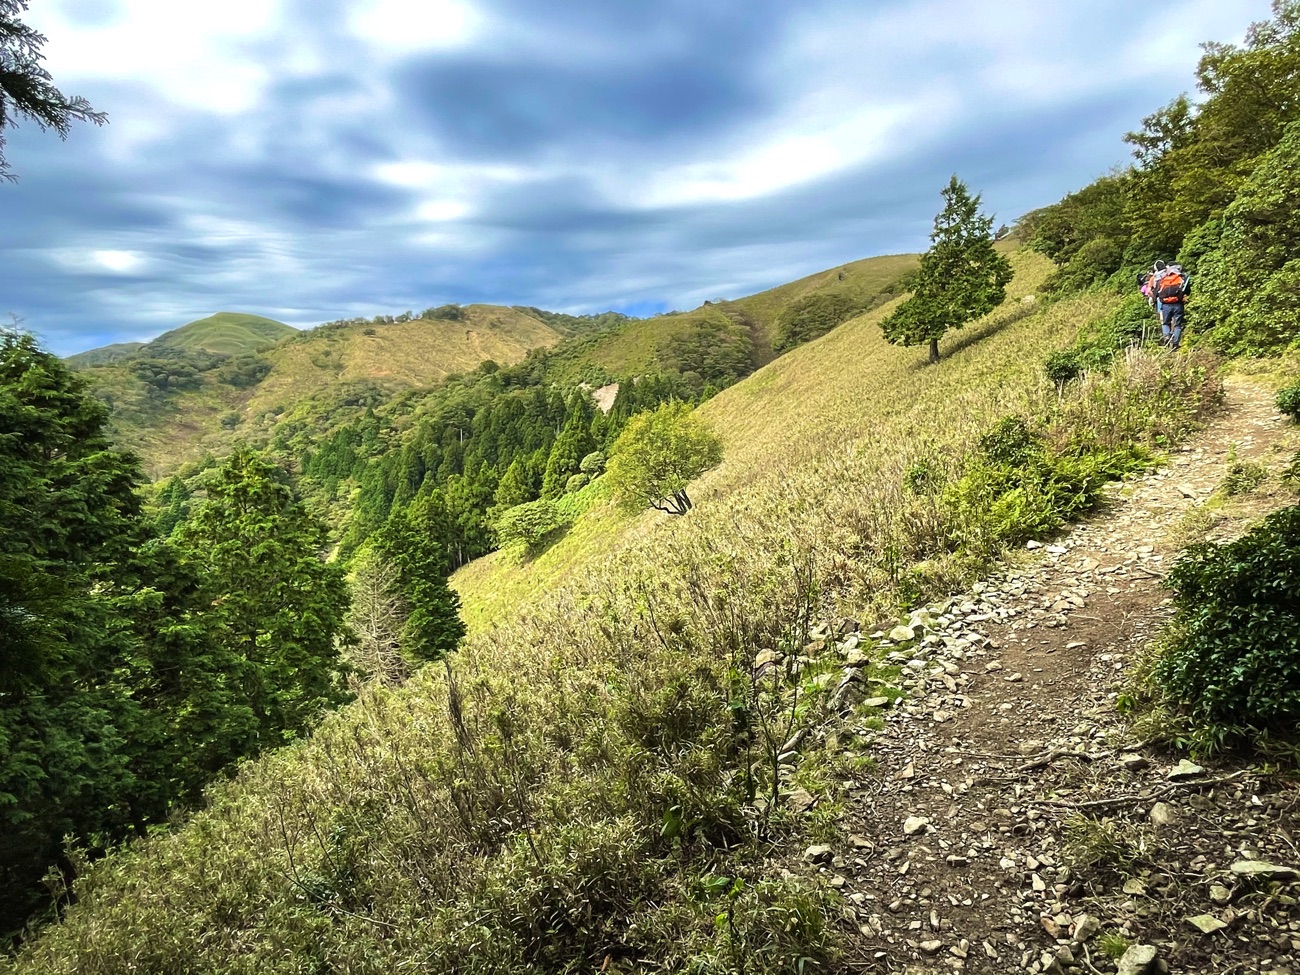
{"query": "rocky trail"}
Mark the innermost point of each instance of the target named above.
(1015, 822)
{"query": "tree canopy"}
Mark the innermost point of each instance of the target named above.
(26, 88)
(960, 279)
(658, 454)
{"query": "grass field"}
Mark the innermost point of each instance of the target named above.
(226, 333)
(813, 430)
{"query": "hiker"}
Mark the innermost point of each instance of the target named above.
(1170, 287)
(1144, 280)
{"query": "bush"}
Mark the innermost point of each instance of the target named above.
(814, 316)
(1288, 401)
(1232, 659)
(1063, 366)
(531, 523)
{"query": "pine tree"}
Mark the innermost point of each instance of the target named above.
(960, 279)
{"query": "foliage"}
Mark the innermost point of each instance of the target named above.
(1231, 660)
(961, 277)
(417, 540)
(530, 523)
(1063, 366)
(658, 454)
(26, 90)
(277, 606)
(814, 316)
(1288, 401)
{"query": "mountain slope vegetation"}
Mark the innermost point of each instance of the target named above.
(225, 333)
(591, 780)
(622, 764)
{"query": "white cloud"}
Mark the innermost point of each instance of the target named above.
(123, 262)
(407, 26)
(191, 53)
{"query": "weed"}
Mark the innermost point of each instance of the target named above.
(1242, 476)
(1101, 848)
(1113, 946)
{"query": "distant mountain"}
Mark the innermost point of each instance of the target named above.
(105, 354)
(226, 333)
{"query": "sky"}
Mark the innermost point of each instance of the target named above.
(310, 160)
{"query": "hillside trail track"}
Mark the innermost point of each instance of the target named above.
(1010, 739)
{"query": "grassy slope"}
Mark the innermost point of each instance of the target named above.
(866, 277)
(104, 354)
(848, 398)
(542, 788)
(226, 333)
(307, 365)
(641, 345)
(416, 353)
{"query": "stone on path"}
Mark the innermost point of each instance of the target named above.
(914, 824)
(1138, 960)
(1264, 870)
(1206, 923)
(1184, 770)
(1163, 814)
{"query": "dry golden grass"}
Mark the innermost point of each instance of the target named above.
(822, 428)
(416, 353)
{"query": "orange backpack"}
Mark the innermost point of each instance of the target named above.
(1171, 287)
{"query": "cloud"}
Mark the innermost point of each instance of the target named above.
(312, 159)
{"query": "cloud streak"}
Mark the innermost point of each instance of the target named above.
(312, 160)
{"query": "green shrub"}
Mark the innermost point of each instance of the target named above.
(1063, 366)
(1288, 401)
(531, 523)
(1232, 659)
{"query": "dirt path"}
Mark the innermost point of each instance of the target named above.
(1009, 760)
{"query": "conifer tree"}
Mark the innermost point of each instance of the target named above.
(960, 279)
(416, 541)
(277, 606)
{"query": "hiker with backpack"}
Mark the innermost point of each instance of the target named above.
(1170, 286)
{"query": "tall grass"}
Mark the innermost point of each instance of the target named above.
(600, 779)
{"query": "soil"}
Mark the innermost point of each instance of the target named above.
(1015, 821)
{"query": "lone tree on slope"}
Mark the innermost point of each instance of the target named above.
(658, 454)
(26, 90)
(961, 276)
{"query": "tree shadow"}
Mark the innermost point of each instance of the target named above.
(992, 325)
(529, 554)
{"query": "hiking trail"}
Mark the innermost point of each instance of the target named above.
(1009, 746)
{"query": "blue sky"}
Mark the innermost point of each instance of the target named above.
(317, 159)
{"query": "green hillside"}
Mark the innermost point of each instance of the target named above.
(104, 354)
(225, 333)
(726, 340)
(578, 779)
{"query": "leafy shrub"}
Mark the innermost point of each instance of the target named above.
(593, 464)
(1063, 366)
(576, 482)
(443, 313)
(1288, 401)
(1232, 660)
(531, 523)
(1016, 487)
(1092, 264)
